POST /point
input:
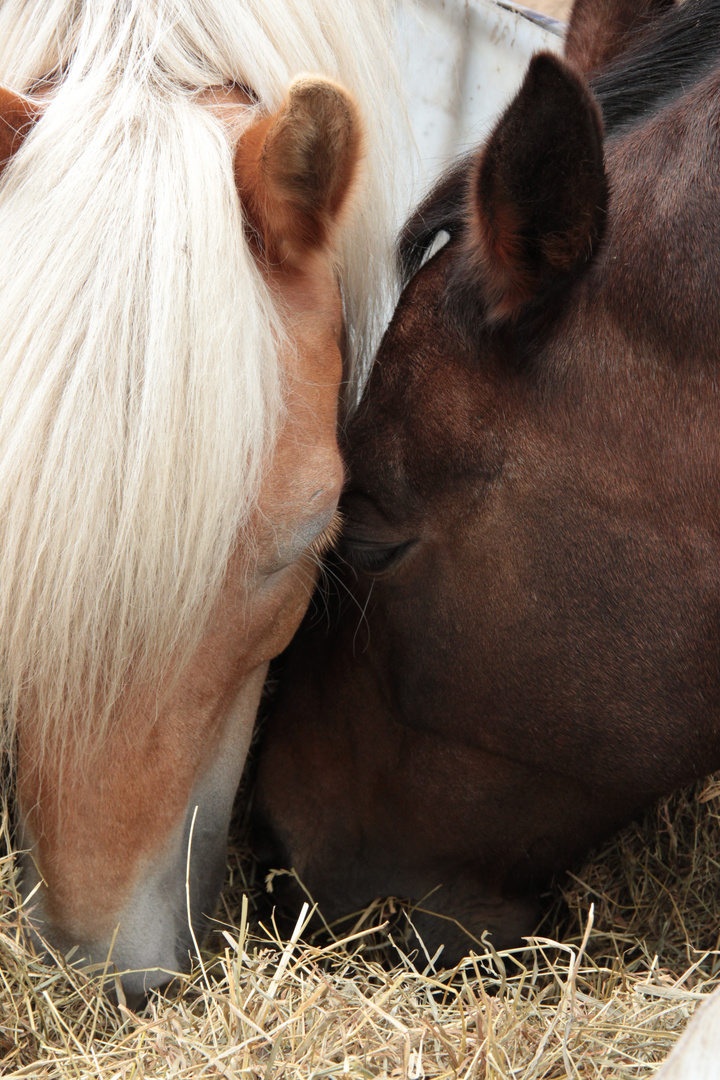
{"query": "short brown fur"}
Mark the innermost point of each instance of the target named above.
(600, 30)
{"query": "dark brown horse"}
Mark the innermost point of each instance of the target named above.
(525, 647)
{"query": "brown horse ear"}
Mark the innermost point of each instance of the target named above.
(600, 30)
(17, 116)
(295, 169)
(539, 190)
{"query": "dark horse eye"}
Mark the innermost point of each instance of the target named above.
(370, 557)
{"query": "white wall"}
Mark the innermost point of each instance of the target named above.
(462, 60)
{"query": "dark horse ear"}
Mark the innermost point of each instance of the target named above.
(600, 30)
(17, 116)
(539, 192)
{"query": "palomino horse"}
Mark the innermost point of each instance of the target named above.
(525, 647)
(193, 235)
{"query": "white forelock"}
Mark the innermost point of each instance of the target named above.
(139, 378)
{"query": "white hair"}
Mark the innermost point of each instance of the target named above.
(139, 373)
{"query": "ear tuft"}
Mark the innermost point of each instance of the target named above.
(17, 116)
(601, 30)
(539, 190)
(296, 169)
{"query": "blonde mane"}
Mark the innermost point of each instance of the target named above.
(139, 377)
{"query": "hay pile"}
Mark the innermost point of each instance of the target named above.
(593, 996)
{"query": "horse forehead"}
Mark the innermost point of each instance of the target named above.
(430, 402)
(410, 360)
(423, 303)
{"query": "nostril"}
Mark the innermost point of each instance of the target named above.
(266, 846)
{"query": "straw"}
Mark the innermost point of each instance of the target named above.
(627, 951)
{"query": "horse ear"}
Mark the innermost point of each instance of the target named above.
(295, 169)
(17, 116)
(600, 30)
(539, 192)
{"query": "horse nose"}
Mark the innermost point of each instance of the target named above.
(267, 847)
(121, 986)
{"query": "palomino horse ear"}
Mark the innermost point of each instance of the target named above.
(537, 204)
(600, 30)
(17, 116)
(295, 169)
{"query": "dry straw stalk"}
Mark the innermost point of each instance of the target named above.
(628, 949)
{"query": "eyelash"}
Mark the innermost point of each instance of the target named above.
(375, 558)
(328, 538)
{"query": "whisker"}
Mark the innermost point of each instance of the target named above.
(363, 616)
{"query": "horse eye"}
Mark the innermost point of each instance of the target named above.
(374, 558)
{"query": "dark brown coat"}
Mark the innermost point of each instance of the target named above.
(525, 648)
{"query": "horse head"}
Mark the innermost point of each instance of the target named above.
(522, 651)
(178, 320)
